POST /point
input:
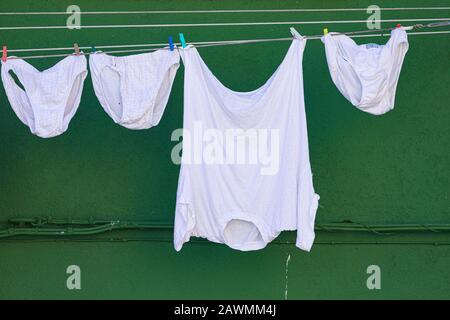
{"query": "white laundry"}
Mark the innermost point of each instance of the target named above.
(134, 90)
(233, 201)
(51, 97)
(367, 75)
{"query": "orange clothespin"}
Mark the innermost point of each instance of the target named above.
(76, 48)
(5, 53)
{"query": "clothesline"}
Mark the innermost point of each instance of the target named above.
(225, 11)
(196, 43)
(352, 34)
(222, 24)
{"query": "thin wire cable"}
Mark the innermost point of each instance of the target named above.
(205, 242)
(42, 226)
(86, 48)
(417, 26)
(213, 43)
(159, 45)
(223, 11)
(220, 24)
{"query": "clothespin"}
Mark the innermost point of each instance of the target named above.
(4, 53)
(93, 50)
(325, 31)
(183, 42)
(170, 43)
(76, 48)
(399, 25)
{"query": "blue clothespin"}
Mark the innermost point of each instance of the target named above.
(93, 49)
(183, 42)
(170, 43)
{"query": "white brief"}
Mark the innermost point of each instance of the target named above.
(245, 173)
(367, 75)
(50, 98)
(134, 90)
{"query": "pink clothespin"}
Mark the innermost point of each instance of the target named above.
(76, 48)
(399, 25)
(4, 53)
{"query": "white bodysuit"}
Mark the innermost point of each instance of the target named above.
(245, 173)
(134, 90)
(49, 98)
(367, 75)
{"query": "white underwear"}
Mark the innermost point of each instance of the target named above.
(367, 75)
(245, 174)
(134, 90)
(50, 98)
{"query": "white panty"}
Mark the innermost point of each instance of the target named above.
(134, 90)
(49, 99)
(367, 75)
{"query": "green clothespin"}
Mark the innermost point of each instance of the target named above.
(183, 42)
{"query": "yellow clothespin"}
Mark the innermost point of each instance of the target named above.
(325, 31)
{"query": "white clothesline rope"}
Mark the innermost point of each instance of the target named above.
(217, 24)
(224, 11)
(197, 44)
(362, 33)
(354, 34)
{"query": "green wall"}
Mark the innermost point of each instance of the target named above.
(372, 170)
